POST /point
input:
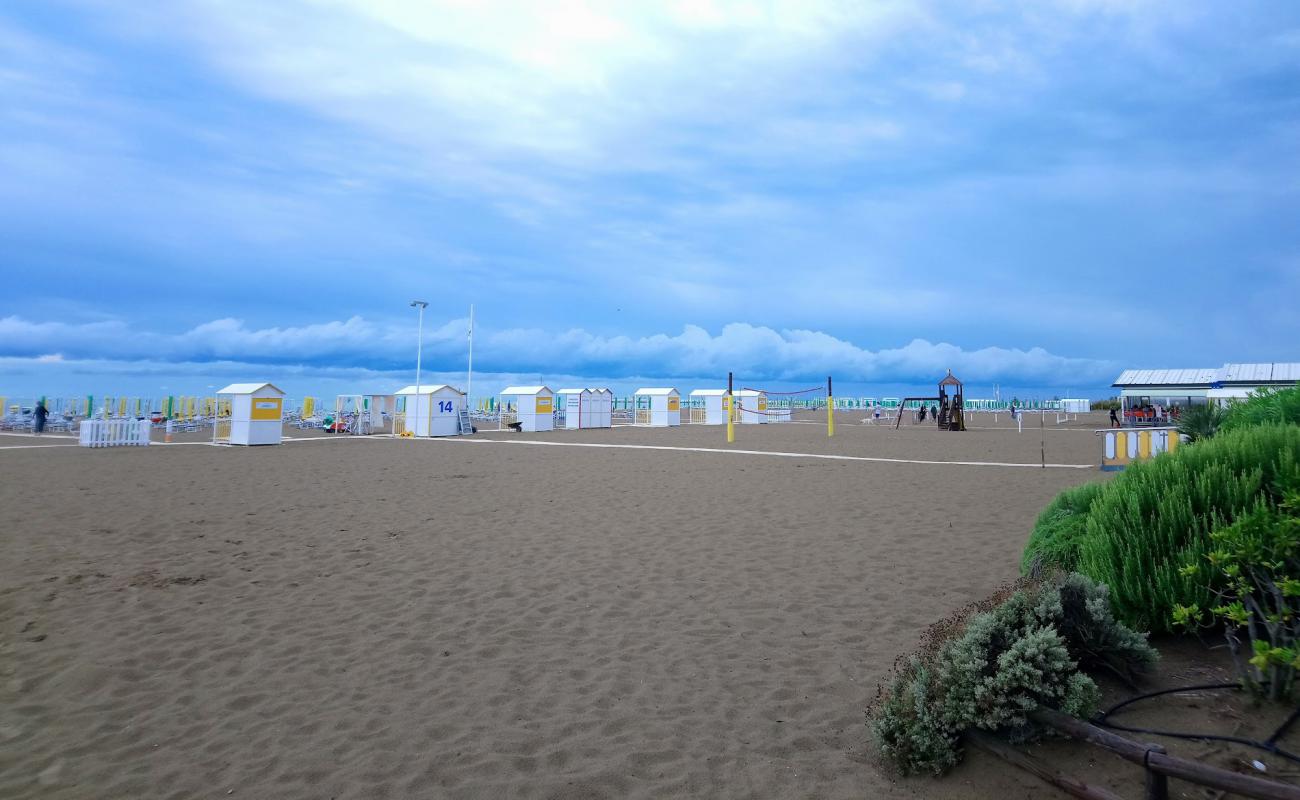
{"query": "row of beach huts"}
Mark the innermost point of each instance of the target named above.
(442, 410)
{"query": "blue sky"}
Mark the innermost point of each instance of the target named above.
(1033, 194)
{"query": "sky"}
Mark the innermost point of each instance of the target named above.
(1034, 195)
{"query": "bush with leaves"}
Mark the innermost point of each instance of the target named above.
(1054, 543)
(1155, 518)
(1267, 406)
(1201, 422)
(1253, 572)
(993, 664)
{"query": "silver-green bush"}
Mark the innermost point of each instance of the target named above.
(988, 668)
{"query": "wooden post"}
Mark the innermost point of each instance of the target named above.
(1154, 759)
(1034, 766)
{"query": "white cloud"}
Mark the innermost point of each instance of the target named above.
(755, 352)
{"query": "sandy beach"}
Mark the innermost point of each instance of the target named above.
(481, 618)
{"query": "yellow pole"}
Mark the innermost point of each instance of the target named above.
(731, 407)
(830, 408)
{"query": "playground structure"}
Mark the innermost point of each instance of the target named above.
(256, 415)
(951, 406)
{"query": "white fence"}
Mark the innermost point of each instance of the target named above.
(114, 432)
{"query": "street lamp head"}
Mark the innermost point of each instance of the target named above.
(419, 304)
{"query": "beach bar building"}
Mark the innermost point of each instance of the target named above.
(1144, 389)
(534, 406)
(752, 407)
(428, 410)
(709, 406)
(657, 407)
(256, 414)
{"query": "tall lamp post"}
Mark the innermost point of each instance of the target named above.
(419, 339)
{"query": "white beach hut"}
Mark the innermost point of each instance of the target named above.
(574, 406)
(657, 407)
(602, 408)
(256, 415)
(534, 406)
(428, 410)
(752, 406)
(709, 406)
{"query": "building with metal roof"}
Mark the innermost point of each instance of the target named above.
(1171, 388)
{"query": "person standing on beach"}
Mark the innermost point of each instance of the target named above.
(38, 417)
(1114, 419)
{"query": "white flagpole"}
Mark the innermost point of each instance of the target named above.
(469, 380)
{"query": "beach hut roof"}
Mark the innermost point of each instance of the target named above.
(657, 392)
(426, 388)
(750, 393)
(247, 388)
(525, 390)
(571, 391)
(709, 393)
(601, 390)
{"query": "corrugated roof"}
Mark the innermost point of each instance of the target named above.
(1251, 374)
(1286, 372)
(526, 390)
(247, 388)
(1166, 377)
(709, 393)
(426, 388)
(657, 392)
(1246, 373)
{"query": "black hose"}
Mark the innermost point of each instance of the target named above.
(1268, 746)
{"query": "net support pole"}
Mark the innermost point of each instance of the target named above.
(731, 410)
(830, 408)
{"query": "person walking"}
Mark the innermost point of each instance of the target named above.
(1114, 419)
(39, 414)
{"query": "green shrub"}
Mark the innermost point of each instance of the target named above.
(1253, 572)
(1156, 517)
(1270, 405)
(1200, 422)
(1054, 542)
(991, 668)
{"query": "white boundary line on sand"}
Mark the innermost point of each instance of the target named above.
(36, 446)
(825, 456)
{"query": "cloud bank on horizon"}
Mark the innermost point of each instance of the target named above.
(355, 343)
(662, 188)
